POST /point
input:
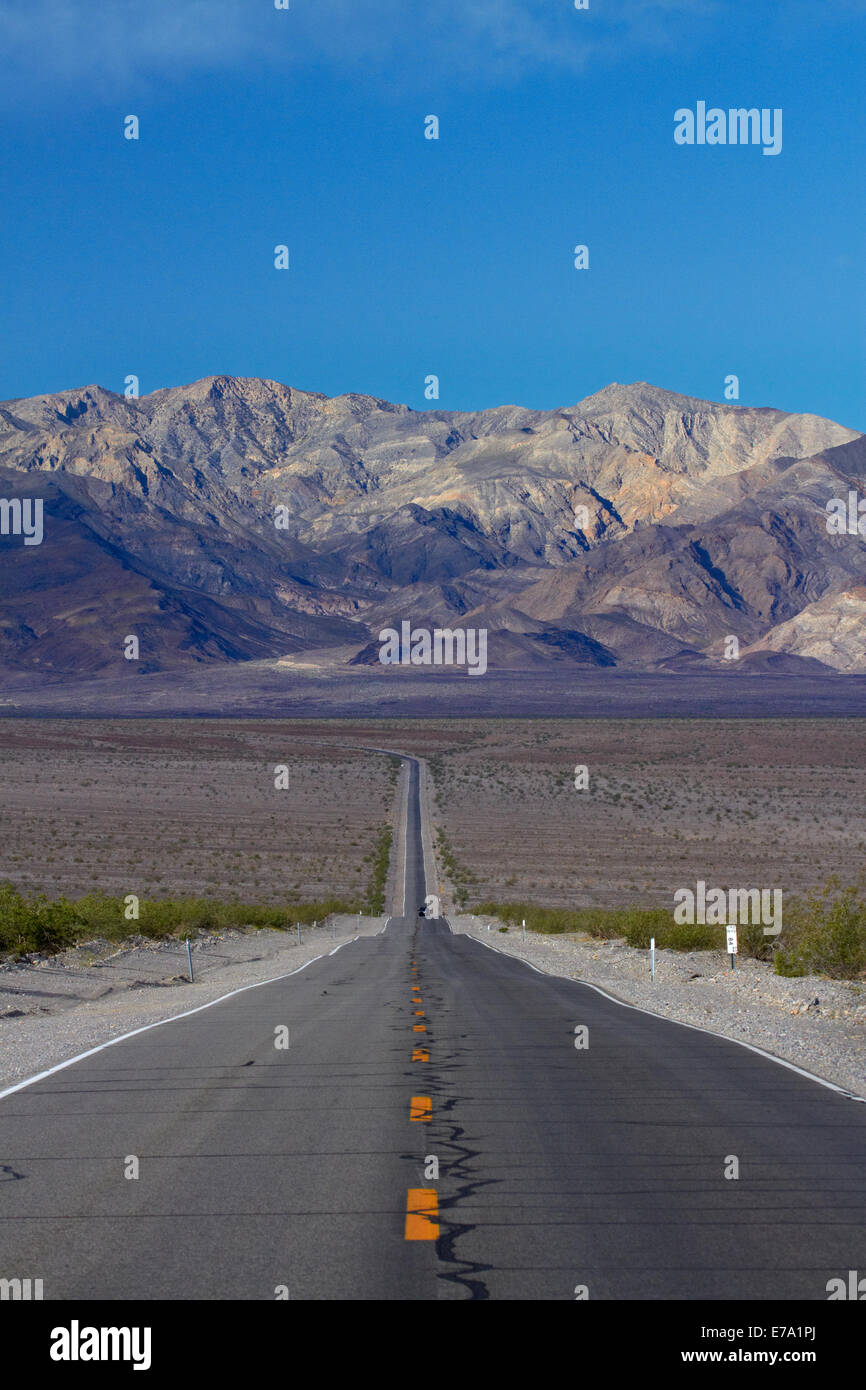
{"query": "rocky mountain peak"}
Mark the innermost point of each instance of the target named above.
(237, 518)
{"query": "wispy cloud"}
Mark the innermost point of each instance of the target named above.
(107, 44)
(96, 49)
(112, 41)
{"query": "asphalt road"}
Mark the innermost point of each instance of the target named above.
(308, 1170)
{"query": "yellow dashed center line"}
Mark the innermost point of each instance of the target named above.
(422, 1209)
(422, 1203)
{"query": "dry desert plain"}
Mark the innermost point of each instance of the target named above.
(174, 808)
(745, 803)
(189, 808)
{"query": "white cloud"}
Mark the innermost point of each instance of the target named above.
(100, 47)
(112, 41)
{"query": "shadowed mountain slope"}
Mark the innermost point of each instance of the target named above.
(238, 519)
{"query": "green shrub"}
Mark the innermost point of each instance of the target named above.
(825, 933)
(692, 936)
(787, 963)
(636, 924)
(381, 857)
(37, 924)
(460, 877)
(752, 941)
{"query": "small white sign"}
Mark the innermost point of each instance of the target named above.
(732, 940)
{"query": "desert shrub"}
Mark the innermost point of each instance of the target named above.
(692, 936)
(670, 935)
(459, 876)
(380, 859)
(752, 941)
(636, 924)
(36, 923)
(825, 933)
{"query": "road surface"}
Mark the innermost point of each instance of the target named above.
(308, 1171)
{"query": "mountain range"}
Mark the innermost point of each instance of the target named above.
(238, 520)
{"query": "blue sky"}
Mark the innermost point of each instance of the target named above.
(454, 257)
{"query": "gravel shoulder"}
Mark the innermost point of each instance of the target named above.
(817, 1023)
(55, 1007)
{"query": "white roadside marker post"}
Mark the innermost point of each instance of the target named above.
(524, 929)
(298, 925)
(652, 958)
(189, 958)
(732, 945)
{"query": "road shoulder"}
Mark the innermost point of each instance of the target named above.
(817, 1024)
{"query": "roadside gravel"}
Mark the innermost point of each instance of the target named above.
(55, 1007)
(819, 1024)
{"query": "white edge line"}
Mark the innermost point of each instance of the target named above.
(406, 833)
(61, 1066)
(91, 1052)
(695, 1027)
